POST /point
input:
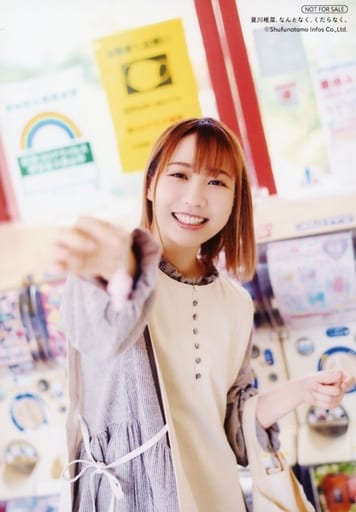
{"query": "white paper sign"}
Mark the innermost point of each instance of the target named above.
(50, 162)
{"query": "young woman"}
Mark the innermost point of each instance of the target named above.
(159, 342)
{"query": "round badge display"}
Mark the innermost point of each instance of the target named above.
(28, 411)
(21, 456)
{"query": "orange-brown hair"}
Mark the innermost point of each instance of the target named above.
(216, 147)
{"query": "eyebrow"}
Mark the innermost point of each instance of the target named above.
(183, 164)
(189, 166)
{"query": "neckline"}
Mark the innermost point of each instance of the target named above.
(167, 268)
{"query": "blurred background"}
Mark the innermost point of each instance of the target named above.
(85, 89)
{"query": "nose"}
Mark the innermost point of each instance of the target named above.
(195, 192)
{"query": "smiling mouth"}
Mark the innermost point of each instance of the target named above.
(191, 220)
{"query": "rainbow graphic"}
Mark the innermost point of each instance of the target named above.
(44, 119)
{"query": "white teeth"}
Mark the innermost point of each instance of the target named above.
(189, 219)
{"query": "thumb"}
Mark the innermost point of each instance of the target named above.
(348, 381)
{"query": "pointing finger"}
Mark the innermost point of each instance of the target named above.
(103, 231)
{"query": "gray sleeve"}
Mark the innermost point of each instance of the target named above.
(240, 391)
(87, 313)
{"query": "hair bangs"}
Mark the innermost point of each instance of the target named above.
(212, 152)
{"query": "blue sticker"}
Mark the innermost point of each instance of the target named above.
(333, 332)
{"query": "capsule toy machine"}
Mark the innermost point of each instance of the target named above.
(308, 248)
(33, 399)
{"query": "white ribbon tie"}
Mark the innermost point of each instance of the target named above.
(100, 468)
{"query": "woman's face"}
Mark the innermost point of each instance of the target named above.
(190, 207)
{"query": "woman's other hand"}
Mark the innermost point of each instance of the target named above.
(325, 389)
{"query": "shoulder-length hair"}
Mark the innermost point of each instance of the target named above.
(216, 148)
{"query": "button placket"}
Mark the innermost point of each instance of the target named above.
(195, 330)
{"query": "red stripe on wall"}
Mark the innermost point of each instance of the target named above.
(216, 65)
(243, 80)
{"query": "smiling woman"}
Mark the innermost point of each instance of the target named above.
(201, 173)
(176, 346)
(197, 203)
(190, 206)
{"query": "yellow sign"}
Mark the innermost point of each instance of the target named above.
(149, 82)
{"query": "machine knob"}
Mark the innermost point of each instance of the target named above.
(268, 356)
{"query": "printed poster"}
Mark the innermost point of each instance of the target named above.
(335, 90)
(313, 278)
(149, 82)
(51, 168)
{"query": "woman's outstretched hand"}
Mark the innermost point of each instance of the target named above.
(94, 248)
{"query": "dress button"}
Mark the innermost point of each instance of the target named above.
(197, 345)
(198, 376)
(195, 302)
(195, 331)
(195, 316)
(198, 360)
